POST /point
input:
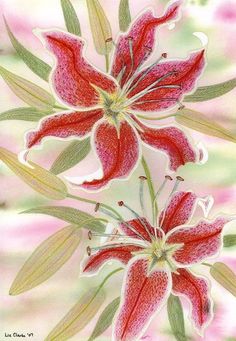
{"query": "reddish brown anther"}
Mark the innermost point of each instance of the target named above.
(181, 106)
(179, 178)
(89, 251)
(108, 40)
(121, 203)
(164, 55)
(142, 177)
(90, 235)
(168, 177)
(97, 206)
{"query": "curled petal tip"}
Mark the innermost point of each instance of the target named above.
(22, 158)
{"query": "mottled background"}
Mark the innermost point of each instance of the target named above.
(38, 311)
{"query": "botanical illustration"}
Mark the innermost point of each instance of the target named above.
(124, 147)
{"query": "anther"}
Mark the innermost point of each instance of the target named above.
(179, 178)
(164, 55)
(121, 203)
(108, 40)
(89, 251)
(142, 177)
(181, 106)
(168, 177)
(90, 235)
(97, 206)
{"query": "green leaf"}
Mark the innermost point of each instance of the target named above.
(79, 316)
(71, 156)
(100, 27)
(71, 19)
(47, 259)
(197, 121)
(224, 276)
(35, 64)
(23, 114)
(229, 240)
(124, 15)
(205, 93)
(41, 180)
(105, 319)
(27, 91)
(176, 318)
(70, 215)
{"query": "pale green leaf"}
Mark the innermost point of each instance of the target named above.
(41, 180)
(79, 316)
(100, 27)
(229, 240)
(205, 93)
(71, 19)
(224, 276)
(23, 114)
(105, 319)
(71, 156)
(124, 15)
(30, 93)
(70, 215)
(47, 259)
(197, 121)
(176, 318)
(35, 64)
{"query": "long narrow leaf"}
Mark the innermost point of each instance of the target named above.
(22, 114)
(35, 64)
(229, 240)
(105, 319)
(176, 318)
(70, 215)
(41, 180)
(47, 259)
(100, 27)
(71, 156)
(30, 93)
(197, 121)
(71, 19)
(205, 93)
(224, 276)
(124, 15)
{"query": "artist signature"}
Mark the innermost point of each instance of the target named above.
(15, 334)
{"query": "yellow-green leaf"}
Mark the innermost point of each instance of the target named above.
(100, 27)
(70, 215)
(41, 180)
(205, 93)
(105, 319)
(176, 317)
(197, 121)
(79, 316)
(124, 15)
(71, 19)
(47, 259)
(229, 240)
(30, 93)
(23, 114)
(35, 64)
(224, 276)
(71, 156)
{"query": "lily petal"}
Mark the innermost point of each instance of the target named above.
(120, 253)
(118, 154)
(178, 211)
(199, 242)
(65, 124)
(141, 39)
(196, 290)
(143, 295)
(140, 225)
(170, 80)
(170, 140)
(73, 77)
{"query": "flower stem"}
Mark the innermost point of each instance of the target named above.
(107, 62)
(93, 202)
(156, 118)
(151, 190)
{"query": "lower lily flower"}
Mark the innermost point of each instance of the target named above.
(107, 106)
(158, 259)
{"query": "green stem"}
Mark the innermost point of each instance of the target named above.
(151, 190)
(93, 202)
(107, 62)
(156, 118)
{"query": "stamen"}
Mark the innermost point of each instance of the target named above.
(89, 251)
(97, 206)
(141, 195)
(130, 40)
(108, 246)
(92, 234)
(108, 213)
(167, 177)
(159, 100)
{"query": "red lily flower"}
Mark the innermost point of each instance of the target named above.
(106, 106)
(157, 261)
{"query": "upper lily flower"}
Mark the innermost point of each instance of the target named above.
(158, 260)
(107, 106)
